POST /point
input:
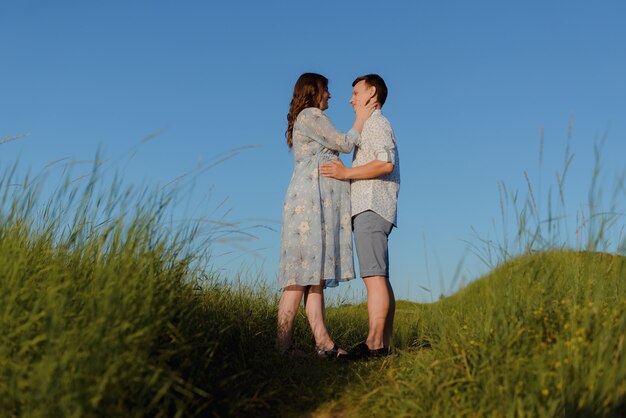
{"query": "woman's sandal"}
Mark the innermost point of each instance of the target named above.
(331, 354)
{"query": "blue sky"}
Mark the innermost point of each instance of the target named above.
(472, 86)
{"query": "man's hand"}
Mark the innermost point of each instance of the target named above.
(335, 169)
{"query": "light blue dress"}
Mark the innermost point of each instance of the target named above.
(316, 241)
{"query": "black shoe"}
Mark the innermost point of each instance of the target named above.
(362, 352)
(378, 353)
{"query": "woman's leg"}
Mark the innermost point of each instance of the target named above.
(287, 310)
(315, 312)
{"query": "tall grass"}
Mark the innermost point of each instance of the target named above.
(534, 219)
(92, 297)
(105, 310)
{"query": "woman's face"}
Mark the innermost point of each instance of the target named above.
(325, 97)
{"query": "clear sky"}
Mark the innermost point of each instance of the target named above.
(472, 86)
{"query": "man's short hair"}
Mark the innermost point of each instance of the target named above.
(376, 81)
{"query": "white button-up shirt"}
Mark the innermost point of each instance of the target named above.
(379, 195)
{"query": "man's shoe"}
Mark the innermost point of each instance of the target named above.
(381, 352)
(362, 352)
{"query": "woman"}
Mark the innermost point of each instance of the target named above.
(316, 244)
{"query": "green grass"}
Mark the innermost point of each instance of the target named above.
(105, 311)
(543, 335)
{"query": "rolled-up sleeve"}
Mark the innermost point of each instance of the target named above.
(387, 154)
(384, 146)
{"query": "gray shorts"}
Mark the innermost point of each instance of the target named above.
(370, 237)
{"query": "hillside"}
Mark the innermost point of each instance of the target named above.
(126, 335)
(542, 335)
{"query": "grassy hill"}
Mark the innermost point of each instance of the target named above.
(543, 335)
(124, 334)
(114, 318)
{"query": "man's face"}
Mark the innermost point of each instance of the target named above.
(362, 93)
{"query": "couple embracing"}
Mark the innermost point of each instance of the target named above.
(327, 202)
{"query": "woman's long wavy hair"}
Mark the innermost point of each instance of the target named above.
(308, 92)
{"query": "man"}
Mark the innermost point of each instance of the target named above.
(375, 182)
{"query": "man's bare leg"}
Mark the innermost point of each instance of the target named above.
(381, 306)
(390, 315)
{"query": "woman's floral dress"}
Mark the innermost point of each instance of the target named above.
(316, 241)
